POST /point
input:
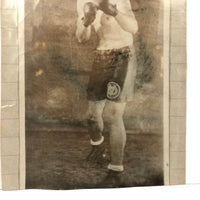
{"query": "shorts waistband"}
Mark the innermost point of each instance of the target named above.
(123, 50)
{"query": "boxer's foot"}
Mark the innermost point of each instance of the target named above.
(98, 154)
(112, 180)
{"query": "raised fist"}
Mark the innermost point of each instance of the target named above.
(89, 10)
(107, 8)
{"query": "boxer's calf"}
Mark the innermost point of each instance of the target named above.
(113, 119)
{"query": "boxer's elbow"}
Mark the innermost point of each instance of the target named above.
(133, 25)
(79, 38)
(134, 28)
(82, 36)
(128, 23)
(82, 39)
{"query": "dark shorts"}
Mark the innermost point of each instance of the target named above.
(113, 74)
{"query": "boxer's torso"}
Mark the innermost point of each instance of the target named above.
(111, 35)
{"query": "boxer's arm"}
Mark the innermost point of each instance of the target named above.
(83, 33)
(126, 18)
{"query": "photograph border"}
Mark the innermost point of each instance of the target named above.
(13, 107)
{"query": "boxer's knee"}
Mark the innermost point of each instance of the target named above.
(94, 119)
(111, 116)
(95, 110)
(94, 115)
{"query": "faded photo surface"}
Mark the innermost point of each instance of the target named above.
(94, 93)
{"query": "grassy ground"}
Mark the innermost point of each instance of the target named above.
(55, 160)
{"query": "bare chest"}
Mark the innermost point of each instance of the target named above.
(107, 20)
(103, 20)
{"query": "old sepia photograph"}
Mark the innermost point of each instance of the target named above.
(94, 79)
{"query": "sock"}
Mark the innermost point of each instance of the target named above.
(96, 143)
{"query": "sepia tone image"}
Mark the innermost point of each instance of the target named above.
(94, 93)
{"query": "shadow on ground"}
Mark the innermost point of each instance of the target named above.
(55, 160)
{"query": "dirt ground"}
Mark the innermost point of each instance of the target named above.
(55, 160)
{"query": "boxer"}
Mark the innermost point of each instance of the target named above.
(111, 80)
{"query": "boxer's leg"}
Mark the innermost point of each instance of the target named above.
(95, 128)
(113, 119)
(95, 121)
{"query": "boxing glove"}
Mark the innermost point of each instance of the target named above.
(89, 10)
(108, 8)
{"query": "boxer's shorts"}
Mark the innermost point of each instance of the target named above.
(113, 74)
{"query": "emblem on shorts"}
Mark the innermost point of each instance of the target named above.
(113, 90)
